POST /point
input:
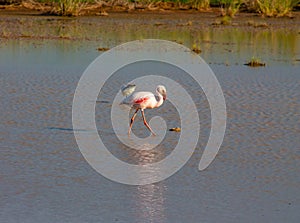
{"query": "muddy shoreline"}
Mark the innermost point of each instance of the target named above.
(25, 23)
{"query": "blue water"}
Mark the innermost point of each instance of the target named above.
(44, 177)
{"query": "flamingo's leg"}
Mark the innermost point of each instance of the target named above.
(132, 120)
(146, 124)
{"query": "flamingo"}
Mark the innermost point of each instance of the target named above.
(142, 100)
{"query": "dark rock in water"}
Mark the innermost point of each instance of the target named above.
(254, 62)
(177, 129)
(100, 48)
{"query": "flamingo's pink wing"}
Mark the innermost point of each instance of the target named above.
(141, 100)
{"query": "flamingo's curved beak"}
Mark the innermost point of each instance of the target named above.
(164, 97)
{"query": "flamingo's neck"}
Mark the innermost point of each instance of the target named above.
(160, 99)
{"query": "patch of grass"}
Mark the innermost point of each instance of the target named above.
(70, 7)
(255, 62)
(230, 7)
(196, 48)
(226, 20)
(200, 4)
(276, 8)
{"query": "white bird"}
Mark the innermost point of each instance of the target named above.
(128, 89)
(142, 100)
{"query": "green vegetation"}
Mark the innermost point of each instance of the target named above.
(226, 20)
(70, 7)
(255, 62)
(195, 48)
(200, 4)
(276, 8)
(228, 8)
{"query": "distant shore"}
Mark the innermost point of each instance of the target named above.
(19, 22)
(104, 7)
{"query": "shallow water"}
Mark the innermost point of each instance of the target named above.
(254, 178)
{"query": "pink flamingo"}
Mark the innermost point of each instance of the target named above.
(142, 100)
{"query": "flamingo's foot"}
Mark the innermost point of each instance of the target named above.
(153, 134)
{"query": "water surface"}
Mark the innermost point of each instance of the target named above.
(254, 178)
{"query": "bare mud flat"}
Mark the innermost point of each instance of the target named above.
(25, 23)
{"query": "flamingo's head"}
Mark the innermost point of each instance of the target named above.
(162, 90)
